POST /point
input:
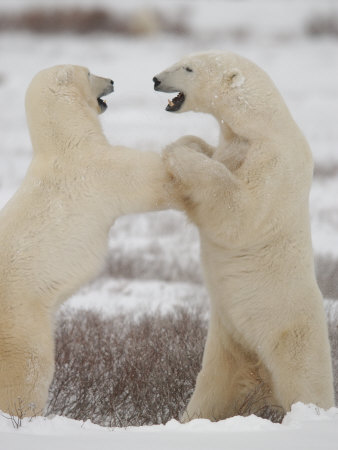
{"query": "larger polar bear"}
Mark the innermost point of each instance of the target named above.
(54, 231)
(249, 198)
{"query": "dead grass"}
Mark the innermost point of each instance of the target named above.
(83, 21)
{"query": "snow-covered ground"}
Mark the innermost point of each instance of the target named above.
(305, 427)
(153, 259)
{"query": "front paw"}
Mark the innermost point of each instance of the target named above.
(192, 142)
(177, 159)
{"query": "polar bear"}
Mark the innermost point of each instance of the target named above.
(54, 230)
(248, 197)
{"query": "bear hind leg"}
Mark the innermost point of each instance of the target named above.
(301, 369)
(232, 382)
(25, 376)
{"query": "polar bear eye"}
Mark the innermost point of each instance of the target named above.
(188, 69)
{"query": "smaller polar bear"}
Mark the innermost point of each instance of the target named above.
(54, 230)
(249, 198)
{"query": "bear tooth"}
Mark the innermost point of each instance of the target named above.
(170, 103)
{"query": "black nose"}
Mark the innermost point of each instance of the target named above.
(112, 82)
(156, 82)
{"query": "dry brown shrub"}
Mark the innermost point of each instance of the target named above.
(323, 171)
(40, 20)
(327, 275)
(120, 372)
(256, 402)
(153, 264)
(90, 20)
(117, 371)
(322, 25)
(331, 308)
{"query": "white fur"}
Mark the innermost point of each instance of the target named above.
(54, 230)
(249, 198)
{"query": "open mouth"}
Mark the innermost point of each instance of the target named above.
(176, 103)
(108, 89)
(102, 105)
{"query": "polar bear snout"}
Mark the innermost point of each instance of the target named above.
(163, 85)
(101, 86)
(108, 89)
(157, 82)
(176, 103)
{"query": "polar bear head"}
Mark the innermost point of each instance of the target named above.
(200, 79)
(67, 84)
(227, 85)
(63, 101)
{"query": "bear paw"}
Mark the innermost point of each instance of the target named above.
(179, 162)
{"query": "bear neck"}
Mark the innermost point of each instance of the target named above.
(253, 122)
(73, 129)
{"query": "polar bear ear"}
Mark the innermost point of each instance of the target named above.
(64, 75)
(233, 78)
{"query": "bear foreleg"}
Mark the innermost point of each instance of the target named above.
(195, 143)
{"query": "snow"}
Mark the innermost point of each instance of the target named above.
(305, 427)
(137, 297)
(153, 260)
